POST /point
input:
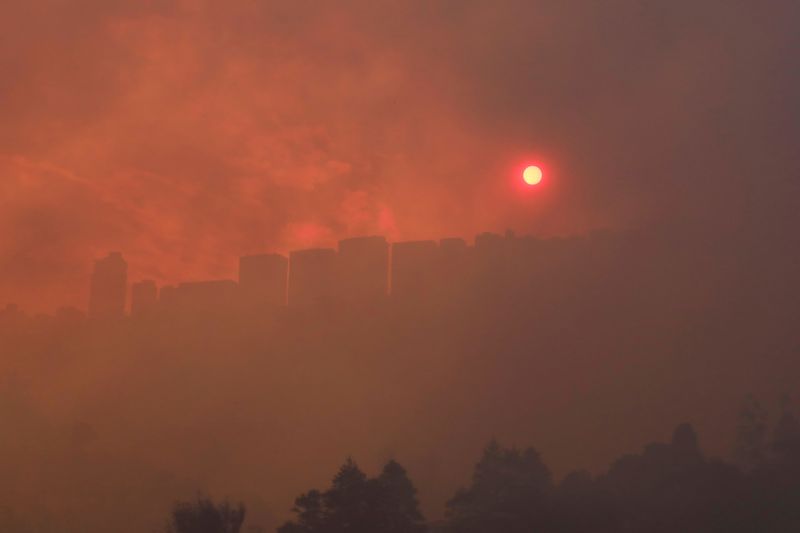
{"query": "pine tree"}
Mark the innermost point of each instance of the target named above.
(309, 511)
(395, 502)
(204, 516)
(346, 505)
(510, 492)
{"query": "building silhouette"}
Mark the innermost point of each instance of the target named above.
(454, 257)
(206, 296)
(263, 279)
(144, 297)
(414, 267)
(11, 318)
(453, 248)
(495, 265)
(363, 269)
(490, 245)
(454, 264)
(312, 277)
(168, 297)
(69, 316)
(109, 286)
(199, 297)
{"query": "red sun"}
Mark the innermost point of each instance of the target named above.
(532, 175)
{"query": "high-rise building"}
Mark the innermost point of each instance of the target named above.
(168, 297)
(206, 296)
(363, 269)
(452, 248)
(454, 263)
(69, 316)
(491, 250)
(199, 297)
(144, 297)
(11, 317)
(312, 276)
(492, 264)
(109, 287)
(489, 244)
(263, 279)
(414, 268)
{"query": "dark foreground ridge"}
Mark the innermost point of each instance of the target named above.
(669, 488)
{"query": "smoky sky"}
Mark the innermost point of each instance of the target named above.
(187, 133)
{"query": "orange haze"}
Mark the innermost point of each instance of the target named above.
(186, 133)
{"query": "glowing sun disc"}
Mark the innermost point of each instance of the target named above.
(532, 175)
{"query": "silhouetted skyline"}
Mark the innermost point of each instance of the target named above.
(109, 287)
(188, 133)
(361, 270)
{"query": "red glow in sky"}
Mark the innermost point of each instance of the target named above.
(185, 134)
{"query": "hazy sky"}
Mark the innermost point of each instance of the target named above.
(185, 133)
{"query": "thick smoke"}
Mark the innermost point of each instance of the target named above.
(187, 133)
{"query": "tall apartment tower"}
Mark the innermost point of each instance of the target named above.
(452, 250)
(490, 244)
(206, 297)
(454, 264)
(168, 298)
(109, 287)
(144, 297)
(414, 268)
(263, 279)
(491, 250)
(312, 277)
(363, 269)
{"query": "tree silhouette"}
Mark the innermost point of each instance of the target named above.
(395, 507)
(510, 491)
(204, 516)
(674, 487)
(346, 502)
(786, 437)
(583, 506)
(356, 504)
(775, 483)
(309, 510)
(751, 434)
